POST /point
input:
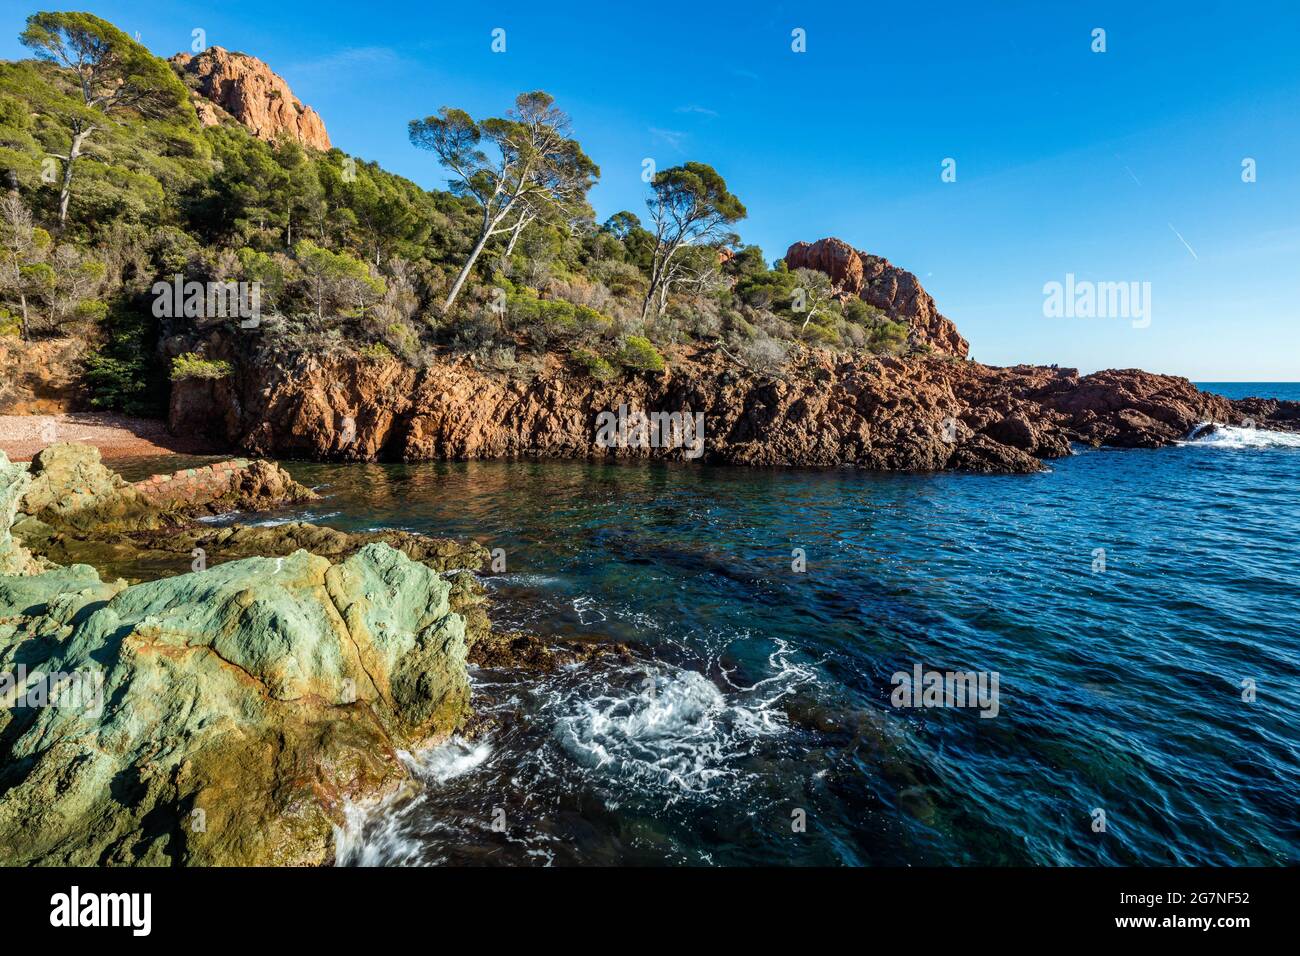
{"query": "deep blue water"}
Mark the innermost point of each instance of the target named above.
(758, 696)
(1287, 390)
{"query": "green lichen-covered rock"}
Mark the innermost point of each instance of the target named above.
(70, 486)
(241, 707)
(14, 480)
(72, 490)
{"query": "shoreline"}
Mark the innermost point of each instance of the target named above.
(116, 436)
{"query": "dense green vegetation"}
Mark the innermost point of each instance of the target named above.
(506, 265)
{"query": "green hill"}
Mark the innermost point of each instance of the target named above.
(349, 256)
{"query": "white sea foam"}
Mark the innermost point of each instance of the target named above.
(670, 729)
(588, 613)
(382, 835)
(628, 732)
(1214, 435)
(453, 758)
(308, 516)
(523, 580)
(224, 518)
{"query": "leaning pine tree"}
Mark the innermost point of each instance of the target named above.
(534, 165)
(116, 76)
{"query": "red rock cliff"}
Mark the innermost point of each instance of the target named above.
(875, 281)
(920, 413)
(247, 89)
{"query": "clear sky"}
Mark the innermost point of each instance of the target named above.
(1122, 166)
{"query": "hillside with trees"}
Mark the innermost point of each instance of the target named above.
(112, 184)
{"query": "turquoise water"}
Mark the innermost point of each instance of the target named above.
(753, 722)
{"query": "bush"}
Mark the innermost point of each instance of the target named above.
(91, 310)
(594, 365)
(638, 354)
(889, 337)
(123, 372)
(763, 355)
(191, 365)
(14, 114)
(375, 352)
(501, 359)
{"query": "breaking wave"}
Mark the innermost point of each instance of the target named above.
(672, 730)
(1214, 435)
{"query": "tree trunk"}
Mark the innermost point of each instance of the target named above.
(514, 236)
(27, 329)
(650, 293)
(65, 194)
(464, 272)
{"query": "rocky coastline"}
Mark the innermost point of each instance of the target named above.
(228, 715)
(918, 413)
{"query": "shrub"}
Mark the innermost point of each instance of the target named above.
(593, 365)
(91, 310)
(888, 337)
(375, 352)
(502, 359)
(763, 355)
(192, 365)
(640, 355)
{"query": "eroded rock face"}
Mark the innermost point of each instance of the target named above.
(835, 257)
(246, 88)
(921, 414)
(889, 288)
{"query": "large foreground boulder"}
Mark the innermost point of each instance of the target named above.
(220, 717)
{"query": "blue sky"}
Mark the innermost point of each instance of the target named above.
(1122, 166)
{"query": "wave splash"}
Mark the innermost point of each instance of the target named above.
(673, 730)
(632, 732)
(1214, 435)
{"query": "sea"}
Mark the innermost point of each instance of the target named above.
(1095, 665)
